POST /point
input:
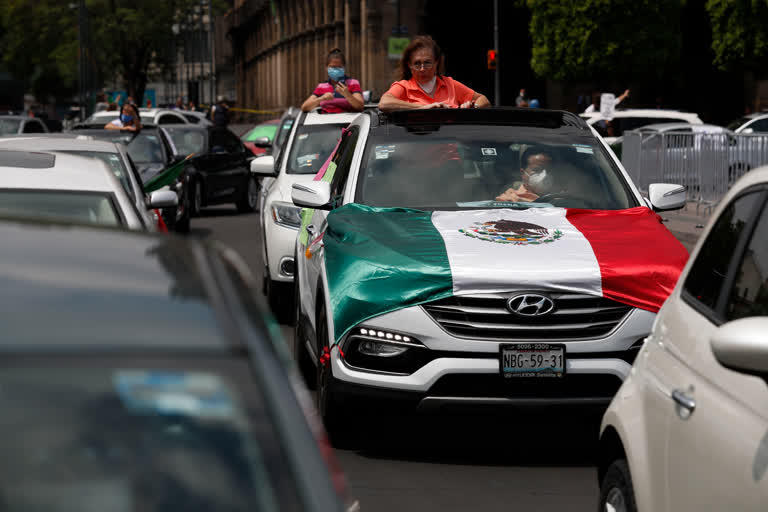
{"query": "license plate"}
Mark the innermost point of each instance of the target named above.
(532, 360)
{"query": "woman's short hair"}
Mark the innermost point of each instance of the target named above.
(336, 53)
(417, 43)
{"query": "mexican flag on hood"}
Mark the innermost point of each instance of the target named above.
(383, 259)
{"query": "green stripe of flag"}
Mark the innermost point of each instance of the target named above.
(165, 177)
(382, 259)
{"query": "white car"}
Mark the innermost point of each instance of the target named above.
(148, 116)
(65, 187)
(687, 429)
(114, 155)
(10, 125)
(418, 282)
(311, 141)
(752, 123)
(631, 119)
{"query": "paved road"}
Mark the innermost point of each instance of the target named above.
(416, 463)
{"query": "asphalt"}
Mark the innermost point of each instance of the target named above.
(687, 224)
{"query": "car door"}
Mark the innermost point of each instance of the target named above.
(716, 418)
(216, 164)
(238, 163)
(313, 228)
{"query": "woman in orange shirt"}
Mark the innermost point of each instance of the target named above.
(422, 84)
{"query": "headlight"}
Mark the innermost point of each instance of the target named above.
(286, 214)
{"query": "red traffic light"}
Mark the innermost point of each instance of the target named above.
(492, 55)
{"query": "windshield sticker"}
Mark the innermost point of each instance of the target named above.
(382, 155)
(174, 393)
(306, 160)
(303, 136)
(389, 148)
(489, 151)
(584, 150)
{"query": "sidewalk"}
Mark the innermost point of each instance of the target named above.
(686, 225)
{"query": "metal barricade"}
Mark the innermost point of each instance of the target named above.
(707, 164)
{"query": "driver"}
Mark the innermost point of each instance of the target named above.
(537, 178)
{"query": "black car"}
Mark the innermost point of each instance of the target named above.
(152, 151)
(152, 383)
(219, 169)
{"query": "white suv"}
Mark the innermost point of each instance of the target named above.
(687, 429)
(310, 143)
(631, 119)
(752, 123)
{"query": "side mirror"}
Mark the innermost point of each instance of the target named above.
(742, 346)
(162, 199)
(262, 142)
(665, 196)
(264, 166)
(312, 194)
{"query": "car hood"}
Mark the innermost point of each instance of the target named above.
(404, 257)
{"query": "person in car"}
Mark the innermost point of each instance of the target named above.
(129, 119)
(538, 178)
(422, 84)
(340, 93)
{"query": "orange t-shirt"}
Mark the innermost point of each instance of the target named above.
(447, 90)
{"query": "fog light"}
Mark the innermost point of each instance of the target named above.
(380, 349)
(287, 267)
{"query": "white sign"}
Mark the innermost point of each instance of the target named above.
(607, 105)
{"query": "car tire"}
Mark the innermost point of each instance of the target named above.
(307, 367)
(616, 492)
(338, 424)
(182, 224)
(249, 199)
(197, 199)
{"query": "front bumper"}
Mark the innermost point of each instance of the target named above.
(462, 371)
(280, 245)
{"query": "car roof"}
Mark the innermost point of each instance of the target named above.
(504, 116)
(342, 118)
(106, 113)
(21, 169)
(68, 287)
(16, 118)
(74, 143)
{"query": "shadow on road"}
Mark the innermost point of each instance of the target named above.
(219, 211)
(520, 438)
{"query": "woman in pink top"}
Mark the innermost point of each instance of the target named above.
(340, 93)
(422, 84)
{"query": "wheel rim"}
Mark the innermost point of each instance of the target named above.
(615, 501)
(253, 193)
(198, 197)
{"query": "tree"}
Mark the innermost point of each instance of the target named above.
(739, 33)
(604, 39)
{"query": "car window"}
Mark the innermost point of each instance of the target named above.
(9, 126)
(261, 130)
(469, 166)
(115, 164)
(133, 436)
(187, 141)
(192, 118)
(219, 141)
(343, 161)
(33, 127)
(169, 119)
(749, 295)
(82, 207)
(285, 129)
(736, 123)
(707, 274)
(311, 147)
(761, 125)
(146, 147)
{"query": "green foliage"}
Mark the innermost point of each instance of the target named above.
(739, 33)
(604, 39)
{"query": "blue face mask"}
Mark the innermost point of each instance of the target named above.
(336, 74)
(126, 118)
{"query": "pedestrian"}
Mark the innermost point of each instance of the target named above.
(149, 103)
(191, 106)
(101, 103)
(129, 119)
(179, 104)
(339, 93)
(220, 112)
(522, 99)
(595, 106)
(422, 84)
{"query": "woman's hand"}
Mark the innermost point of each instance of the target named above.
(468, 104)
(326, 97)
(343, 90)
(437, 104)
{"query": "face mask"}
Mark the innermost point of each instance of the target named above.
(429, 86)
(541, 183)
(336, 74)
(126, 118)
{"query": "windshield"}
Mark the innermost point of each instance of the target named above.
(9, 126)
(115, 164)
(312, 147)
(261, 130)
(471, 166)
(83, 207)
(102, 118)
(133, 439)
(143, 147)
(187, 141)
(733, 125)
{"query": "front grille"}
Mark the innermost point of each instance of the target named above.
(575, 317)
(496, 386)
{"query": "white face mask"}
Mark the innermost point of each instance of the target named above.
(541, 183)
(429, 86)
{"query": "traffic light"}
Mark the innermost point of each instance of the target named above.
(492, 55)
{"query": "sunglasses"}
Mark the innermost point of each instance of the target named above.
(427, 64)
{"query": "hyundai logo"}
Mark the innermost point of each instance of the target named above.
(530, 304)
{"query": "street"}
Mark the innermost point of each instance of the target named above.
(485, 462)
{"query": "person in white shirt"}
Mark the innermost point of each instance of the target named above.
(595, 106)
(129, 119)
